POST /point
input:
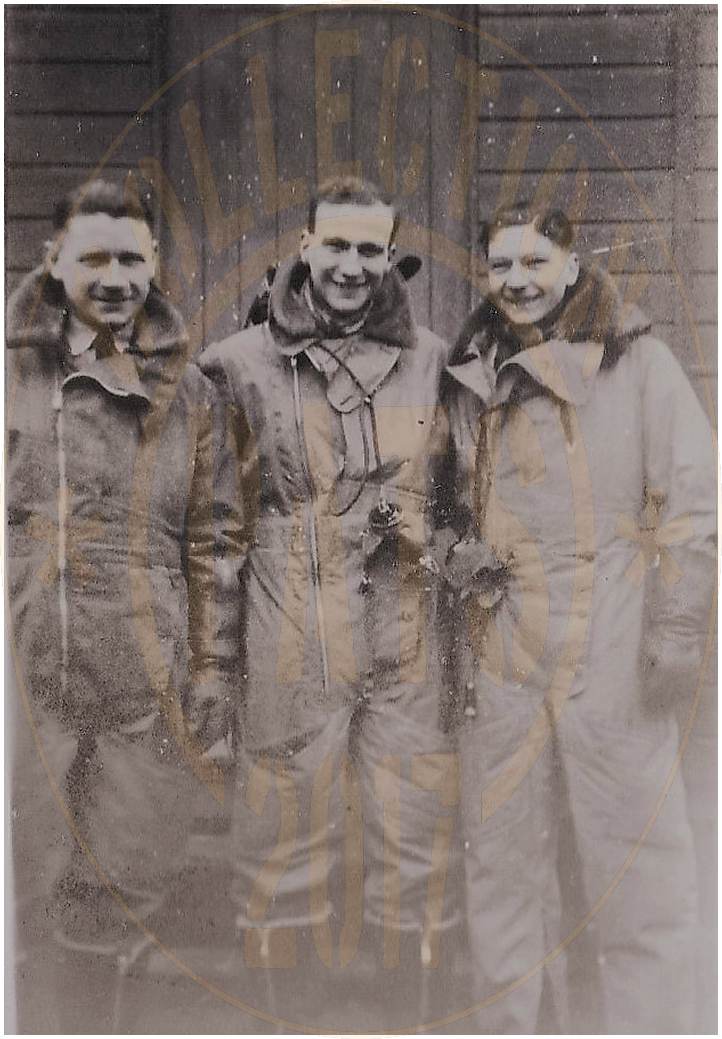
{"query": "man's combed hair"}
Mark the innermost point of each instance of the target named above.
(552, 223)
(101, 196)
(350, 191)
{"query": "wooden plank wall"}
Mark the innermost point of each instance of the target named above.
(624, 67)
(73, 79)
(239, 140)
(645, 75)
(337, 56)
(648, 162)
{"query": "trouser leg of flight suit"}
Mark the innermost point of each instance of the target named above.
(637, 863)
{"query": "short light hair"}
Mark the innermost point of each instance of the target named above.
(552, 223)
(350, 191)
(101, 196)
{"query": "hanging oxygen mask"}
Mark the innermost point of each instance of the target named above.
(385, 518)
(387, 515)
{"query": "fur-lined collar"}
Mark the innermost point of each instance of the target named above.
(389, 322)
(591, 318)
(37, 312)
(592, 313)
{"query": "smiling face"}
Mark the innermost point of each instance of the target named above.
(348, 253)
(528, 273)
(106, 265)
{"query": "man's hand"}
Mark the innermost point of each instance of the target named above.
(209, 715)
(472, 568)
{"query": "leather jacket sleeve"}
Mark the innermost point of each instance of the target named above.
(216, 549)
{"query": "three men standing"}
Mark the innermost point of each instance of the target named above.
(130, 520)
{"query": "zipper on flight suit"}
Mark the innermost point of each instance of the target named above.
(62, 538)
(313, 538)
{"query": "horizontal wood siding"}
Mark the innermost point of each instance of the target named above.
(612, 109)
(74, 79)
(72, 34)
(651, 159)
